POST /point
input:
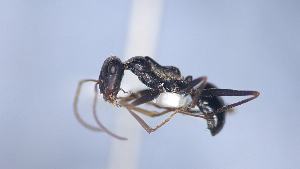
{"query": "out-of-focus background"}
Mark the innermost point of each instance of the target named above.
(46, 47)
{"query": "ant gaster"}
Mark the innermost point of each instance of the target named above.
(161, 79)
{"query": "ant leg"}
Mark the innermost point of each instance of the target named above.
(97, 119)
(193, 113)
(131, 96)
(146, 126)
(125, 91)
(146, 96)
(125, 100)
(147, 112)
(229, 92)
(195, 82)
(75, 105)
(199, 84)
(166, 110)
(138, 95)
(150, 113)
(125, 103)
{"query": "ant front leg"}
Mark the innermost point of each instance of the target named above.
(125, 102)
(147, 112)
(146, 96)
(146, 126)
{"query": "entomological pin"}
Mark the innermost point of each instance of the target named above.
(167, 90)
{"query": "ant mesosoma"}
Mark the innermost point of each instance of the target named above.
(164, 82)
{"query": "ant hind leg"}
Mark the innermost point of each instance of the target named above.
(229, 92)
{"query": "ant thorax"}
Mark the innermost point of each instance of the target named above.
(172, 100)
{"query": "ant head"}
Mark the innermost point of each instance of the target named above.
(110, 78)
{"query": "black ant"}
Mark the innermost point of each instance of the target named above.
(205, 101)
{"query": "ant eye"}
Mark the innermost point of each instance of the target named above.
(112, 69)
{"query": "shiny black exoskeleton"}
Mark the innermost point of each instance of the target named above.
(158, 78)
(110, 78)
(161, 79)
(217, 121)
(155, 76)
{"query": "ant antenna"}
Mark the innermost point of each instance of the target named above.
(97, 119)
(75, 106)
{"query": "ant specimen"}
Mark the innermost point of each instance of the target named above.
(195, 97)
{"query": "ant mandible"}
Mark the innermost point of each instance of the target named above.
(162, 81)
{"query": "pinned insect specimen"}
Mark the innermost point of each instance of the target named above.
(195, 97)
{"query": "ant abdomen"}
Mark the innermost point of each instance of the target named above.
(216, 124)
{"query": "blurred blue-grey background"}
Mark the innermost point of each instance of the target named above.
(47, 46)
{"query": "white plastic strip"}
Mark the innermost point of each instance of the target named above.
(144, 24)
